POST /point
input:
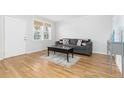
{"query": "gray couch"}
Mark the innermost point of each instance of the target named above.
(84, 48)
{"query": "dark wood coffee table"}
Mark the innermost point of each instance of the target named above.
(62, 49)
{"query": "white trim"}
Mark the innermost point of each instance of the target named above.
(33, 51)
(100, 53)
(3, 39)
(1, 58)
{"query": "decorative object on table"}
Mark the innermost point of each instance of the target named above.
(113, 36)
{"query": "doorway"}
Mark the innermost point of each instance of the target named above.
(15, 43)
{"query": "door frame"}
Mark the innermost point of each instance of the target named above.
(3, 38)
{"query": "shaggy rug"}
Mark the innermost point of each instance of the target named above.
(61, 59)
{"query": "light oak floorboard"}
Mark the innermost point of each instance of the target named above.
(32, 66)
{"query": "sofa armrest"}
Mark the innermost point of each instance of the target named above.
(89, 46)
(89, 43)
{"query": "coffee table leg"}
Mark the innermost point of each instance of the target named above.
(48, 52)
(54, 52)
(67, 58)
(72, 55)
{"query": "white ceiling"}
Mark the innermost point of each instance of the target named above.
(58, 18)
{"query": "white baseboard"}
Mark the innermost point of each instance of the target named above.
(100, 53)
(1, 58)
(33, 51)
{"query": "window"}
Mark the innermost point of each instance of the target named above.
(47, 31)
(37, 29)
(42, 30)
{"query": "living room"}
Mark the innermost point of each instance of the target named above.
(37, 33)
(61, 46)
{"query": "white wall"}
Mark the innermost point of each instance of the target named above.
(96, 28)
(32, 45)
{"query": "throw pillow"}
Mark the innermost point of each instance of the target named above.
(79, 42)
(83, 44)
(61, 41)
(65, 41)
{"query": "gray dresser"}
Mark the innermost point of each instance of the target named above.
(115, 48)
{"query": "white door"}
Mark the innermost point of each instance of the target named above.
(14, 36)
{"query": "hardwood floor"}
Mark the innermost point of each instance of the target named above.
(32, 66)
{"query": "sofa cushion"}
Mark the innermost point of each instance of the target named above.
(70, 45)
(73, 41)
(80, 47)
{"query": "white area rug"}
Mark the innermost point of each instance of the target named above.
(61, 59)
